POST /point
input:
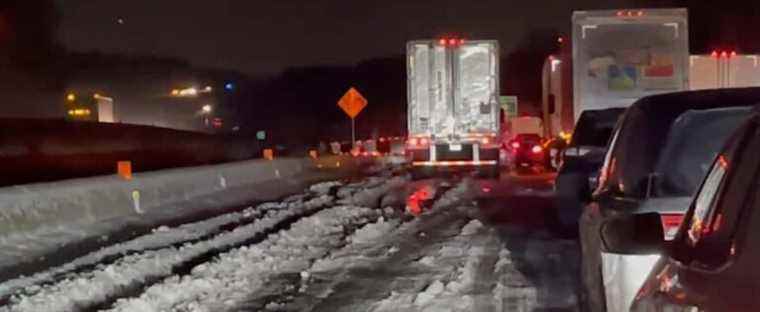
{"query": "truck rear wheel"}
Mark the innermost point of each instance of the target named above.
(420, 173)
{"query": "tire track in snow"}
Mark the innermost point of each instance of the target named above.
(159, 238)
(75, 293)
(228, 280)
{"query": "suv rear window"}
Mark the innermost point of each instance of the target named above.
(595, 128)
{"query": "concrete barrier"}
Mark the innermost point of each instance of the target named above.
(92, 202)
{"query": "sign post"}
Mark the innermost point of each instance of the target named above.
(509, 105)
(352, 104)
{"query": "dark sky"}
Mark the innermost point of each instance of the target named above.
(266, 36)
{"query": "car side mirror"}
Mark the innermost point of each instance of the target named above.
(637, 234)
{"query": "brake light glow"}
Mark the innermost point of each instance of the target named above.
(722, 161)
(453, 42)
(485, 141)
(537, 149)
(424, 141)
(515, 144)
(630, 13)
(670, 224)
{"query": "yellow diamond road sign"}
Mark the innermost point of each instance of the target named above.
(352, 103)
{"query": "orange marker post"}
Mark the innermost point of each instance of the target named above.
(124, 169)
(268, 154)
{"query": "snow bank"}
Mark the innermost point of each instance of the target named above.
(38, 218)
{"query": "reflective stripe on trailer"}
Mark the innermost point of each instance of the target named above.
(455, 163)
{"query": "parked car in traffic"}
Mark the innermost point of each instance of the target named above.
(527, 152)
(711, 264)
(641, 170)
(581, 162)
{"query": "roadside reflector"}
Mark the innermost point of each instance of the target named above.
(268, 154)
(124, 169)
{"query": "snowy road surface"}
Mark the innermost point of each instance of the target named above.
(382, 243)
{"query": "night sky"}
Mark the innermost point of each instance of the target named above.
(266, 36)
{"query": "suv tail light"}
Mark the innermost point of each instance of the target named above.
(537, 149)
(670, 224)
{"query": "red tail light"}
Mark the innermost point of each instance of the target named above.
(414, 141)
(670, 223)
(537, 149)
(515, 144)
(442, 42)
(452, 41)
(485, 141)
(424, 141)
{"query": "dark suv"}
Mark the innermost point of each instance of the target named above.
(580, 166)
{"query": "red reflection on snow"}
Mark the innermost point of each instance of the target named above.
(414, 201)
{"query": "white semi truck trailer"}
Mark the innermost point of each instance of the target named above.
(453, 112)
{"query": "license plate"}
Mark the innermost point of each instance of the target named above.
(455, 147)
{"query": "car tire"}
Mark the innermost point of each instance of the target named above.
(571, 194)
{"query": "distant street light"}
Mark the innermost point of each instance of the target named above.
(207, 109)
(71, 97)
